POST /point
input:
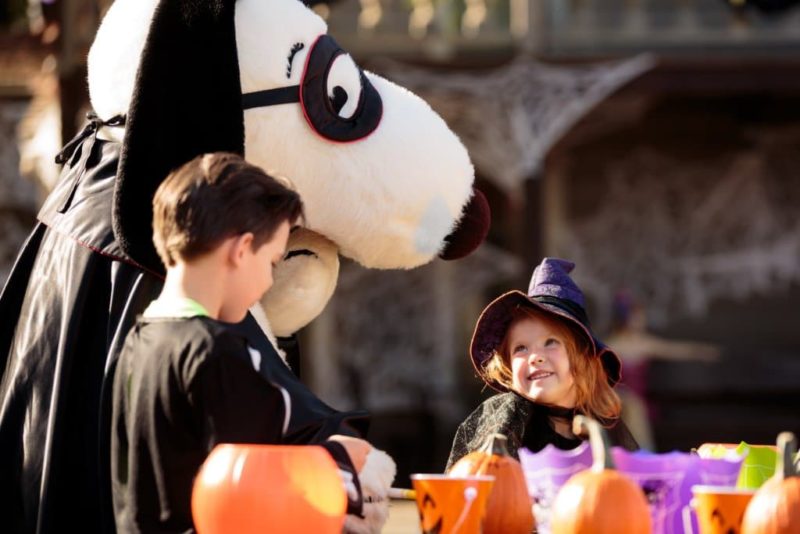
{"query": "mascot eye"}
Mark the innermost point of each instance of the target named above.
(338, 100)
(344, 86)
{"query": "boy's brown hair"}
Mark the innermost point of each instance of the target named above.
(594, 396)
(214, 197)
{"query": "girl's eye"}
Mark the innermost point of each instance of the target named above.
(519, 348)
(551, 342)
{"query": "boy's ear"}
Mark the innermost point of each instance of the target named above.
(239, 246)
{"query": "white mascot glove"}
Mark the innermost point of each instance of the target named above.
(376, 478)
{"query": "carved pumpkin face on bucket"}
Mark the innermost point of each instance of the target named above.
(720, 509)
(451, 504)
(430, 516)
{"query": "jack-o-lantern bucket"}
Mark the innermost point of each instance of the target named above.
(719, 509)
(449, 504)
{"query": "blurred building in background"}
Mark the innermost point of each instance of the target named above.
(43, 100)
(654, 142)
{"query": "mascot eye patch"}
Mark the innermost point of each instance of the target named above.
(338, 101)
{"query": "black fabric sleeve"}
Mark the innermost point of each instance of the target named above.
(504, 414)
(355, 506)
(312, 421)
(231, 401)
(464, 436)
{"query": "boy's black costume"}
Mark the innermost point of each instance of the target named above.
(182, 386)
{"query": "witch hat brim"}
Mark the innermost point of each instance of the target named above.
(493, 323)
(186, 102)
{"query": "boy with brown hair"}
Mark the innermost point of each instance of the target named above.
(186, 380)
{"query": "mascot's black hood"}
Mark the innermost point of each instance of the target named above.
(187, 100)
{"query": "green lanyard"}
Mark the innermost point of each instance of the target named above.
(175, 307)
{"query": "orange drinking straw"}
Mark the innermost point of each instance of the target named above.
(402, 493)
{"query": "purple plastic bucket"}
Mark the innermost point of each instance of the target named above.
(546, 471)
(667, 481)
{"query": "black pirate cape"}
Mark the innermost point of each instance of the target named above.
(89, 268)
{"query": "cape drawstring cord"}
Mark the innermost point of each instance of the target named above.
(95, 123)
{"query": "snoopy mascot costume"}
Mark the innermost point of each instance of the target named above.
(383, 180)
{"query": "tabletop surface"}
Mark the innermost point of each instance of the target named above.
(403, 518)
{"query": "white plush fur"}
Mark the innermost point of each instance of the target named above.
(114, 57)
(376, 477)
(386, 201)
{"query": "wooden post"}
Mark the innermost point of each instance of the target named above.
(72, 74)
(532, 221)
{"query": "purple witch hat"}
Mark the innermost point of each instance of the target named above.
(551, 290)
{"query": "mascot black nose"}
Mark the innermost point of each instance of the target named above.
(471, 229)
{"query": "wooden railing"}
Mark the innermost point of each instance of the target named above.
(441, 28)
(433, 28)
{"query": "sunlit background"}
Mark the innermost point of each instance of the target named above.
(656, 143)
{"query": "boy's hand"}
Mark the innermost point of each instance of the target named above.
(357, 449)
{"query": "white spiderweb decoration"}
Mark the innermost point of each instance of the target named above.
(509, 118)
(682, 234)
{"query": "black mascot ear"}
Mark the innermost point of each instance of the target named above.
(187, 100)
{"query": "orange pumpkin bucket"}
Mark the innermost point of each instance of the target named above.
(268, 488)
(509, 508)
(451, 505)
(720, 509)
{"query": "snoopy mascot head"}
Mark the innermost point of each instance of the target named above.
(383, 179)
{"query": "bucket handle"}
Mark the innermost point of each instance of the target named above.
(470, 494)
(686, 513)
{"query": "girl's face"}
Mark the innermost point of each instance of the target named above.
(539, 363)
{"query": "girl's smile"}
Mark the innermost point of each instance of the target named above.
(540, 375)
